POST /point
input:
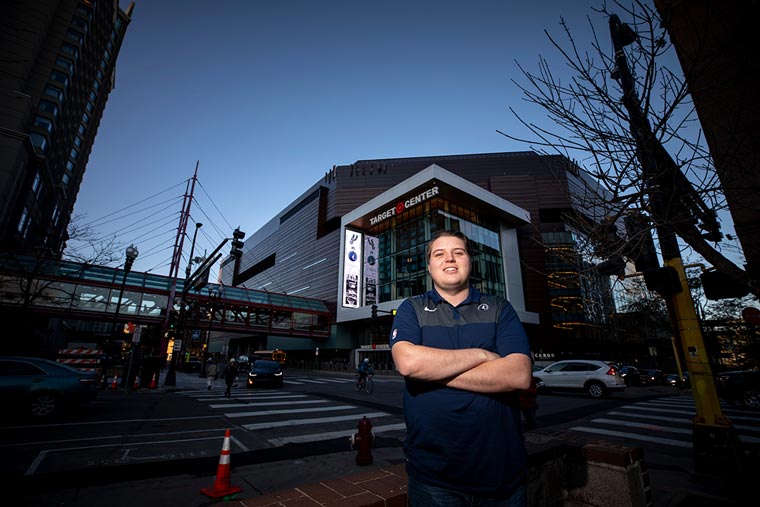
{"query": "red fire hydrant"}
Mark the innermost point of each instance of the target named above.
(363, 441)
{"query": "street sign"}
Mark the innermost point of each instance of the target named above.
(751, 315)
(136, 335)
(177, 345)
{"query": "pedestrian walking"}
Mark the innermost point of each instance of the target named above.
(211, 373)
(464, 356)
(230, 375)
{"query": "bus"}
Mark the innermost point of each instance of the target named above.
(273, 355)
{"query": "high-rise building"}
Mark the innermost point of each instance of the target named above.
(56, 71)
(357, 239)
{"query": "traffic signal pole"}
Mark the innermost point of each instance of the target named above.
(716, 445)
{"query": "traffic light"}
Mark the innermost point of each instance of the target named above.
(237, 243)
(613, 266)
(173, 318)
(718, 285)
(664, 281)
(374, 311)
(640, 244)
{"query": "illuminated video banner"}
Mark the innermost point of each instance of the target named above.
(352, 268)
(370, 270)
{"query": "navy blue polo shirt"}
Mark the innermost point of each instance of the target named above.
(458, 439)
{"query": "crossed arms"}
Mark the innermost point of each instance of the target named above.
(475, 370)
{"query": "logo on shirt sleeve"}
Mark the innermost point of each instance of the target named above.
(394, 335)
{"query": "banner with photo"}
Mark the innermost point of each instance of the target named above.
(371, 248)
(352, 268)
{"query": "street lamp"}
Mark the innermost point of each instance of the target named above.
(198, 225)
(131, 254)
(213, 296)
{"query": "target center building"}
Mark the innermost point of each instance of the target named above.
(357, 238)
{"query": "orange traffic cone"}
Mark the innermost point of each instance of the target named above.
(115, 382)
(222, 486)
(137, 382)
(153, 383)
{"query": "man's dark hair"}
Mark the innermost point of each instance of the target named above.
(447, 233)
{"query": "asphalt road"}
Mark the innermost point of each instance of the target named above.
(132, 435)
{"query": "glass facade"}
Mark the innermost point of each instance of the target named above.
(580, 300)
(402, 270)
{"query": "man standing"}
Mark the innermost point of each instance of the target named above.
(464, 355)
(211, 373)
(230, 375)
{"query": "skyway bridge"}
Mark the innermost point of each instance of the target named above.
(72, 290)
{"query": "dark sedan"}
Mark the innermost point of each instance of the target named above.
(740, 387)
(41, 388)
(651, 377)
(265, 372)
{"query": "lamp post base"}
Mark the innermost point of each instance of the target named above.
(170, 379)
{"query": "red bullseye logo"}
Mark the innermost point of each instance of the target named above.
(399, 208)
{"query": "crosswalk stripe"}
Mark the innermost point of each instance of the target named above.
(650, 427)
(269, 403)
(315, 420)
(272, 403)
(281, 412)
(330, 435)
(633, 436)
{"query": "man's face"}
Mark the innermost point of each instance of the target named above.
(449, 264)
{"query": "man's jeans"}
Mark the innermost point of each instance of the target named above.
(424, 495)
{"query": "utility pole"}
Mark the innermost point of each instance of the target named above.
(716, 444)
(171, 374)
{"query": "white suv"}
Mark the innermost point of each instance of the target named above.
(597, 378)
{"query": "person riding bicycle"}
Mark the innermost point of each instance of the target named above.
(364, 369)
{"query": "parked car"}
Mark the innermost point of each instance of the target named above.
(265, 372)
(41, 388)
(631, 375)
(651, 377)
(741, 387)
(597, 378)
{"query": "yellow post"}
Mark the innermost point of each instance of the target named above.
(716, 444)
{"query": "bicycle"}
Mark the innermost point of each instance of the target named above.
(365, 383)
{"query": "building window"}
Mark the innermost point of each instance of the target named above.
(56, 93)
(73, 154)
(96, 85)
(43, 123)
(48, 107)
(70, 49)
(65, 63)
(77, 141)
(69, 166)
(75, 36)
(36, 185)
(88, 105)
(85, 118)
(60, 77)
(80, 24)
(23, 223)
(56, 215)
(81, 130)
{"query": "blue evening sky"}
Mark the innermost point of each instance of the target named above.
(269, 95)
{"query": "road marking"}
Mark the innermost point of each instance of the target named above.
(267, 404)
(633, 436)
(334, 434)
(279, 412)
(650, 427)
(315, 420)
(42, 454)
